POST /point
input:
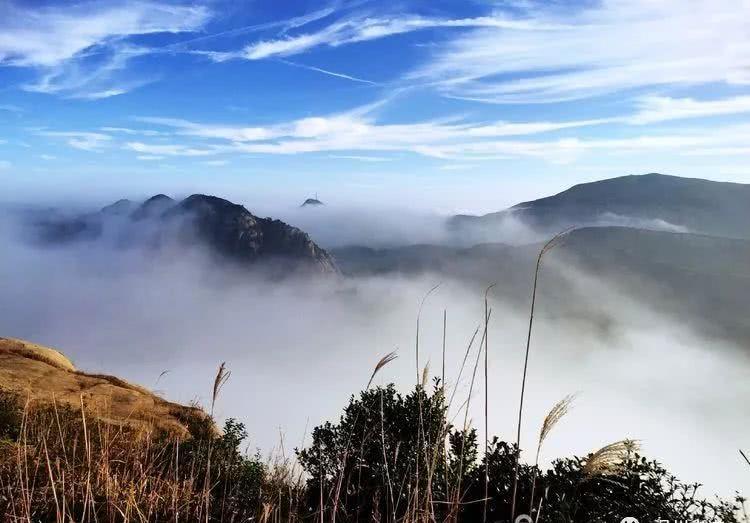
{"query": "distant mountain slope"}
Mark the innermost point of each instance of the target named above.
(597, 247)
(226, 228)
(638, 249)
(703, 281)
(649, 201)
(480, 262)
(699, 279)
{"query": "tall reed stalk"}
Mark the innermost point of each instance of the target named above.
(745, 457)
(486, 404)
(544, 250)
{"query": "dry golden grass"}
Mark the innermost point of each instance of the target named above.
(81, 447)
(65, 466)
(36, 352)
(608, 460)
(44, 375)
(557, 412)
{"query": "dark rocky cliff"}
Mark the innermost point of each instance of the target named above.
(227, 229)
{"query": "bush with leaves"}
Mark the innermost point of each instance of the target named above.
(385, 456)
(397, 458)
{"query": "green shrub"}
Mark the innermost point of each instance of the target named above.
(397, 458)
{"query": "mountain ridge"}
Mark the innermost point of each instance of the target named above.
(227, 228)
(688, 204)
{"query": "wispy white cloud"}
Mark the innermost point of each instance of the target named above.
(356, 29)
(170, 149)
(86, 141)
(49, 36)
(48, 157)
(79, 48)
(595, 48)
(457, 167)
(719, 151)
(107, 93)
(661, 108)
(128, 131)
(11, 108)
(91, 77)
(149, 158)
(216, 163)
(334, 132)
(730, 139)
(359, 158)
(303, 20)
(5, 164)
(232, 133)
(527, 128)
(282, 25)
(358, 132)
(282, 47)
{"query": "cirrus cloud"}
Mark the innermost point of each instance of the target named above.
(594, 49)
(79, 51)
(85, 141)
(662, 108)
(352, 133)
(49, 36)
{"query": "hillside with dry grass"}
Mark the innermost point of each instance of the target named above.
(79, 447)
(44, 375)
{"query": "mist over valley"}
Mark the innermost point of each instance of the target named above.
(643, 322)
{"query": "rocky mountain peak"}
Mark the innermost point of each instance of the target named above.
(154, 206)
(235, 232)
(226, 228)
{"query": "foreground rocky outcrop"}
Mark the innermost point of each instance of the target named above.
(45, 376)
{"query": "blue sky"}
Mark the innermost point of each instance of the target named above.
(447, 105)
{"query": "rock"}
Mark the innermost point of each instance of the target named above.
(228, 228)
(235, 232)
(283, 240)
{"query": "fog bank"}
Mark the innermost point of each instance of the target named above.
(299, 348)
